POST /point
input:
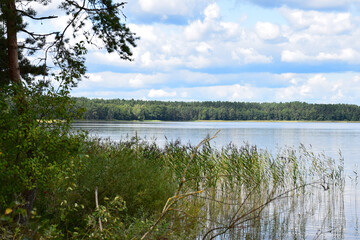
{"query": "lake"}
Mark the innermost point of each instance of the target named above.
(329, 138)
(320, 137)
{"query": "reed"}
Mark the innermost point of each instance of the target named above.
(192, 192)
(244, 192)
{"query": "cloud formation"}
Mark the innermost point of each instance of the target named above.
(191, 50)
(313, 88)
(163, 11)
(267, 30)
(339, 5)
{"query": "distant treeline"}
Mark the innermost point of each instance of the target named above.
(117, 109)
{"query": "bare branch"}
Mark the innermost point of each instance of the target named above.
(38, 35)
(75, 4)
(35, 18)
(244, 217)
(97, 208)
(29, 48)
(71, 22)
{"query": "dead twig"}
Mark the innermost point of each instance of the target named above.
(97, 208)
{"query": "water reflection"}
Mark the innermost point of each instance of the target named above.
(339, 220)
(329, 138)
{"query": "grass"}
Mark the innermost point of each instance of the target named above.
(188, 192)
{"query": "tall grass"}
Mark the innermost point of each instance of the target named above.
(248, 193)
(191, 192)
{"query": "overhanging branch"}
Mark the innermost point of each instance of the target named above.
(75, 4)
(35, 18)
(38, 35)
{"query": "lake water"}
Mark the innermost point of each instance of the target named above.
(327, 138)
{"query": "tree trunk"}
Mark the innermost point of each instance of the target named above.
(15, 78)
(13, 55)
(12, 42)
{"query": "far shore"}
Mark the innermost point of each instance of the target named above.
(264, 121)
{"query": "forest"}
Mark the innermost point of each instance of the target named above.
(120, 109)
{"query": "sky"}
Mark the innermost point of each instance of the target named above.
(234, 50)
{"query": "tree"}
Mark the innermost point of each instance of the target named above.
(27, 69)
(93, 20)
(31, 143)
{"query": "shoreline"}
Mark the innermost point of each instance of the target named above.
(224, 121)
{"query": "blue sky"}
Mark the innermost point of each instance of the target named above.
(234, 50)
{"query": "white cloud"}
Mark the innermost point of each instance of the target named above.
(203, 47)
(196, 30)
(318, 22)
(146, 59)
(234, 92)
(315, 36)
(211, 41)
(198, 62)
(205, 43)
(44, 9)
(346, 55)
(267, 30)
(322, 88)
(95, 78)
(169, 54)
(212, 24)
(319, 4)
(241, 93)
(173, 7)
(231, 30)
(212, 12)
(293, 56)
(196, 78)
(315, 84)
(313, 88)
(250, 55)
(145, 32)
(110, 59)
(121, 80)
(153, 93)
(308, 4)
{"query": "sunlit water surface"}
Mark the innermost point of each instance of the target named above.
(327, 138)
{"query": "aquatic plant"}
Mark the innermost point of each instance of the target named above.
(187, 192)
(236, 187)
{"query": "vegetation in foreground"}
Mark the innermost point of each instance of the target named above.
(136, 190)
(117, 109)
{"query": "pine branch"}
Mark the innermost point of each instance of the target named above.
(75, 4)
(38, 35)
(35, 18)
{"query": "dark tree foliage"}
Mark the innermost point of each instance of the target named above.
(93, 22)
(36, 112)
(28, 70)
(116, 109)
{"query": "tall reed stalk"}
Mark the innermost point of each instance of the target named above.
(243, 192)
